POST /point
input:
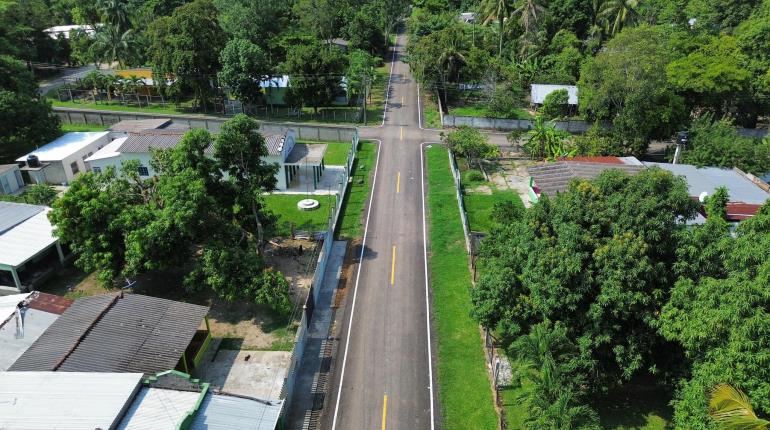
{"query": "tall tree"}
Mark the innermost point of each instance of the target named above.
(239, 149)
(618, 14)
(186, 45)
(244, 67)
(315, 74)
(497, 10)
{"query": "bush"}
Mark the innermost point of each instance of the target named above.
(505, 101)
(556, 104)
(473, 176)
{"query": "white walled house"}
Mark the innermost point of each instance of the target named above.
(60, 161)
(282, 150)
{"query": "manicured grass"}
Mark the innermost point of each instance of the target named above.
(464, 389)
(284, 206)
(479, 207)
(350, 226)
(336, 152)
(480, 111)
(67, 128)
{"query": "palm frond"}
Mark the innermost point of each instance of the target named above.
(731, 409)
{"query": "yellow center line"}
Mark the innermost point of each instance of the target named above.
(402, 100)
(398, 182)
(384, 411)
(402, 133)
(393, 267)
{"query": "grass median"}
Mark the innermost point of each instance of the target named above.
(350, 226)
(464, 389)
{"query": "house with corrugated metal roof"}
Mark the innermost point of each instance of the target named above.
(102, 400)
(121, 333)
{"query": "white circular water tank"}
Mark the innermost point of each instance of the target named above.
(308, 205)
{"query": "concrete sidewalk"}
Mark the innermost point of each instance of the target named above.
(309, 390)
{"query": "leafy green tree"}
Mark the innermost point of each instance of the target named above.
(244, 67)
(717, 320)
(624, 85)
(470, 143)
(40, 194)
(555, 105)
(364, 31)
(315, 74)
(26, 122)
(361, 73)
(239, 149)
(713, 77)
(718, 143)
(599, 259)
(186, 45)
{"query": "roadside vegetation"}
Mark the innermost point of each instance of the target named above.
(694, 64)
(350, 222)
(464, 390)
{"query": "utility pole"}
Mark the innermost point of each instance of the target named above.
(364, 85)
(682, 138)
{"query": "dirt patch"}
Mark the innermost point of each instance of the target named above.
(296, 259)
(347, 275)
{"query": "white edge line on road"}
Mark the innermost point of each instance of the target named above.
(355, 287)
(427, 287)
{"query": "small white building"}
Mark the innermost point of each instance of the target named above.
(540, 91)
(65, 30)
(10, 178)
(60, 161)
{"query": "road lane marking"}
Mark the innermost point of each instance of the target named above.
(402, 101)
(402, 133)
(384, 411)
(398, 182)
(427, 292)
(355, 288)
(387, 92)
(393, 267)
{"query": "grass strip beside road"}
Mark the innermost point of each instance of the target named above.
(464, 389)
(350, 226)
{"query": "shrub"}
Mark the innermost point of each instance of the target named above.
(556, 104)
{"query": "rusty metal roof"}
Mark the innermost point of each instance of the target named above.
(116, 333)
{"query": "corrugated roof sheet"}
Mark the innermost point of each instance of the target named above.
(555, 177)
(13, 214)
(26, 240)
(158, 139)
(58, 400)
(50, 303)
(6, 167)
(225, 412)
(708, 179)
(159, 409)
(275, 143)
(135, 125)
(9, 304)
(60, 338)
(35, 323)
(108, 333)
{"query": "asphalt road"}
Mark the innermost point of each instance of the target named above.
(382, 376)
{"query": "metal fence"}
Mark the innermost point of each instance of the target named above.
(460, 202)
(210, 123)
(327, 240)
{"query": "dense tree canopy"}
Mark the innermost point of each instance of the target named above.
(186, 218)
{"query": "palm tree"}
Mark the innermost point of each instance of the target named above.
(731, 409)
(115, 13)
(498, 10)
(110, 44)
(529, 11)
(618, 14)
(111, 82)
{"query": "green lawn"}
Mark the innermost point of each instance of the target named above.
(336, 152)
(464, 389)
(480, 111)
(284, 206)
(479, 207)
(430, 113)
(66, 128)
(169, 109)
(358, 191)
